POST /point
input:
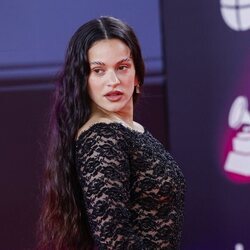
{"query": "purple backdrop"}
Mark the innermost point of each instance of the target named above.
(208, 65)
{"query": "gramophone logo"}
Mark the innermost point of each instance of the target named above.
(238, 160)
(236, 14)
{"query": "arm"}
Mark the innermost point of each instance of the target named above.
(104, 176)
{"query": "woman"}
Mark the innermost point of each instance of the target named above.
(109, 184)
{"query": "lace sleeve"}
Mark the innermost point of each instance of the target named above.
(104, 173)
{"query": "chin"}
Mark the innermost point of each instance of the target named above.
(114, 109)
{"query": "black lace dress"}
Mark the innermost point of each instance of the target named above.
(133, 190)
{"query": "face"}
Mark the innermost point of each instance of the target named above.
(112, 76)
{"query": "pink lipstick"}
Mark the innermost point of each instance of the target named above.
(114, 96)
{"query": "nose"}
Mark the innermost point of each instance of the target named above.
(112, 78)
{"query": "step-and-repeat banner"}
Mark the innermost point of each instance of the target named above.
(208, 70)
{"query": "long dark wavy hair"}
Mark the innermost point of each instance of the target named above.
(63, 223)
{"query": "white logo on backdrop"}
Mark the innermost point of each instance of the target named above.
(236, 14)
(239, 246)
(238, 160)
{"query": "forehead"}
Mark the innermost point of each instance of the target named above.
(108, 50)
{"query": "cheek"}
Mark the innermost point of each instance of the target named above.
(130, 82)
(92, 87)
(128, 77)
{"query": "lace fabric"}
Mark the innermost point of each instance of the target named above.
(133, 190)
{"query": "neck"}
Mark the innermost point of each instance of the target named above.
(125, 116)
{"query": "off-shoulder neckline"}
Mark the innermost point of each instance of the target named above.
(101, 124)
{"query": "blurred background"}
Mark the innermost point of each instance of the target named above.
(194, 100)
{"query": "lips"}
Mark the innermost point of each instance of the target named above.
(114, 95)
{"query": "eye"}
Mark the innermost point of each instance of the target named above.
(123, 67)
(98, 71)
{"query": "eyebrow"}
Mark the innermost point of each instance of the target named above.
(121, 61)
